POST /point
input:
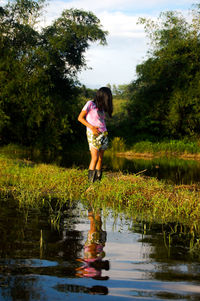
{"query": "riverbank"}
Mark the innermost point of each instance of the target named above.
(146, 149)
(146, 155)
(138, 197)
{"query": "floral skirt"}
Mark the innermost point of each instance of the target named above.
(99, 142)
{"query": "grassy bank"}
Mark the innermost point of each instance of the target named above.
(140, 198)
(184, 149)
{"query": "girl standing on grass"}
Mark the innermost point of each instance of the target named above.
(93, 117)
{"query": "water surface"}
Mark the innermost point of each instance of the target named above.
(172, 170)
(88, 254)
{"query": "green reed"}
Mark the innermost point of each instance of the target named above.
(117, 144)
(170, 147)
(139, 198)
(31, 183)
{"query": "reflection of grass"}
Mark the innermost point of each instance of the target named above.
(142, 198)
(173, 169)
(166, 163)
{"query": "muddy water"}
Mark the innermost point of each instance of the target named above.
(88, 254)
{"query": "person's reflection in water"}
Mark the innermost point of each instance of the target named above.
(93, 262)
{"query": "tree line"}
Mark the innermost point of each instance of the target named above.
(164, 100)
(40, 96)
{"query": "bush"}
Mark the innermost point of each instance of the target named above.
(117, 144)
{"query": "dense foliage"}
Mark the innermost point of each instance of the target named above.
(39, 98)
(165, 97)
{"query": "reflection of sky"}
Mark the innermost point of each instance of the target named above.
(133, 273)
(182, 287)
(55, 288)
(128, 257)
(29, 262)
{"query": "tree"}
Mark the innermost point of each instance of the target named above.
(166, 94)
(39, 100)
(121, 91)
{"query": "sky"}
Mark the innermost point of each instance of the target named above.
(127, 44)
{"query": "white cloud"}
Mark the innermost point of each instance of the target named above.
(120, 25)
(128, 7)
(123, 5)
(127, 43)
(114, 64)
(100, 4)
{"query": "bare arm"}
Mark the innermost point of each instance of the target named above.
(82, 119)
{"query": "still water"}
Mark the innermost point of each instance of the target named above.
(92, 257)
(172, 170)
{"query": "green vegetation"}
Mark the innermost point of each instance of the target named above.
(40, 99)
(118, 104)
(163, 103)
(39, 94)
(165, 97)
(170, 148)
(120, 91)
(33, 184)
(117, 145)
(144, 199)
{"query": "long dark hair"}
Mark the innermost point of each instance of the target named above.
(103, 100)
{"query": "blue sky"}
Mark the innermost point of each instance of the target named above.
(127, 43)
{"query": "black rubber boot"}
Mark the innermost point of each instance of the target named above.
(98, 175)
(91, 175)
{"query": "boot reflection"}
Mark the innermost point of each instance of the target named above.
(93, 262)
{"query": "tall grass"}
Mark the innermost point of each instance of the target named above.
(170, 147)
(32, 184)
(117, 145)
(138, 197)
